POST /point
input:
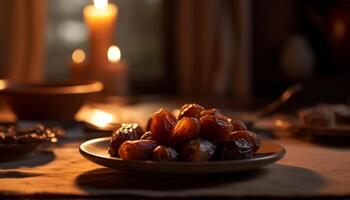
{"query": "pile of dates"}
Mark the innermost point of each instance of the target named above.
(37, 134)
(196, 135)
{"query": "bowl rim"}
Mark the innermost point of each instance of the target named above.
(62, 87)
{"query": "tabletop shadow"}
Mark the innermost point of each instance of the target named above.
(105, 178)
(34, 159)
(17, 174)
(295, 177)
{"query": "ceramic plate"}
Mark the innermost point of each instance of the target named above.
(95, 150)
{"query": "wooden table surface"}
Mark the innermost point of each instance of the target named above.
(309, 169)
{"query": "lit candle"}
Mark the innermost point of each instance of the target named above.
(100, 19)
(115, 75)
(78, 65)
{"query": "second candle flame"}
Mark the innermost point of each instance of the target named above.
(114, 54)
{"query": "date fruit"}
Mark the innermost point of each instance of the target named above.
(125, 132)
(186, 129)
(190, 110)
(212, 111)
(161, 126)
(216, 128)
(146, 136)
(137, 149)
(249, 136)
(163, 153)
(198, 150)
(236, 149)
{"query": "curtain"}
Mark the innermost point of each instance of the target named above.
(22, 39)
(213, 39)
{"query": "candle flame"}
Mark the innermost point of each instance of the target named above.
(78, 56)
(101, 4)
(101, 118)
(114, 54)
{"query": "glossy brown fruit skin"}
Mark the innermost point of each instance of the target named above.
(135, 128)
(146, 136)
(249, 136)
(215, 128)
(212, 111)
(124, 133)
(161, 126)
(239, 125)
(199, 150)
(163, 153)
(186, 129)
(137, 149)
(190, 110)
(236, 149)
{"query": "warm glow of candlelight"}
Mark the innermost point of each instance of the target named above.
(78, 56)
(101, 4)
(339, 29)
(3, 84)
(100, 118)
(114, 54)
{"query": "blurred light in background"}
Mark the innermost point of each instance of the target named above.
(68, 7)
(139, 32)
(78, 56)
(100, 118)
(3, 84)
(72, 32)
(114, 54)
(339, 28)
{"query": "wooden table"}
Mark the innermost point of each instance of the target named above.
(309, 170)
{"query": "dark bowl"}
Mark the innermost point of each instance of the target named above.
(48, 101)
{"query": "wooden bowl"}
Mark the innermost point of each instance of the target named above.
(48, 101)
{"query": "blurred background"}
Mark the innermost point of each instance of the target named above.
(234, 49)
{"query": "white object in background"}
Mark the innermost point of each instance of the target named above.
(297, 58)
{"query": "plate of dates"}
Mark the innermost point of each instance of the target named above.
(197, 141)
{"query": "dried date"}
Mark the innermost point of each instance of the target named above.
(191, 110)
(125, 132)
(161, 125)
(199, 150)
(236, 149)
(186, 129)
(137, 149)
(249, 136)
(163, 153)
(216, 128)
